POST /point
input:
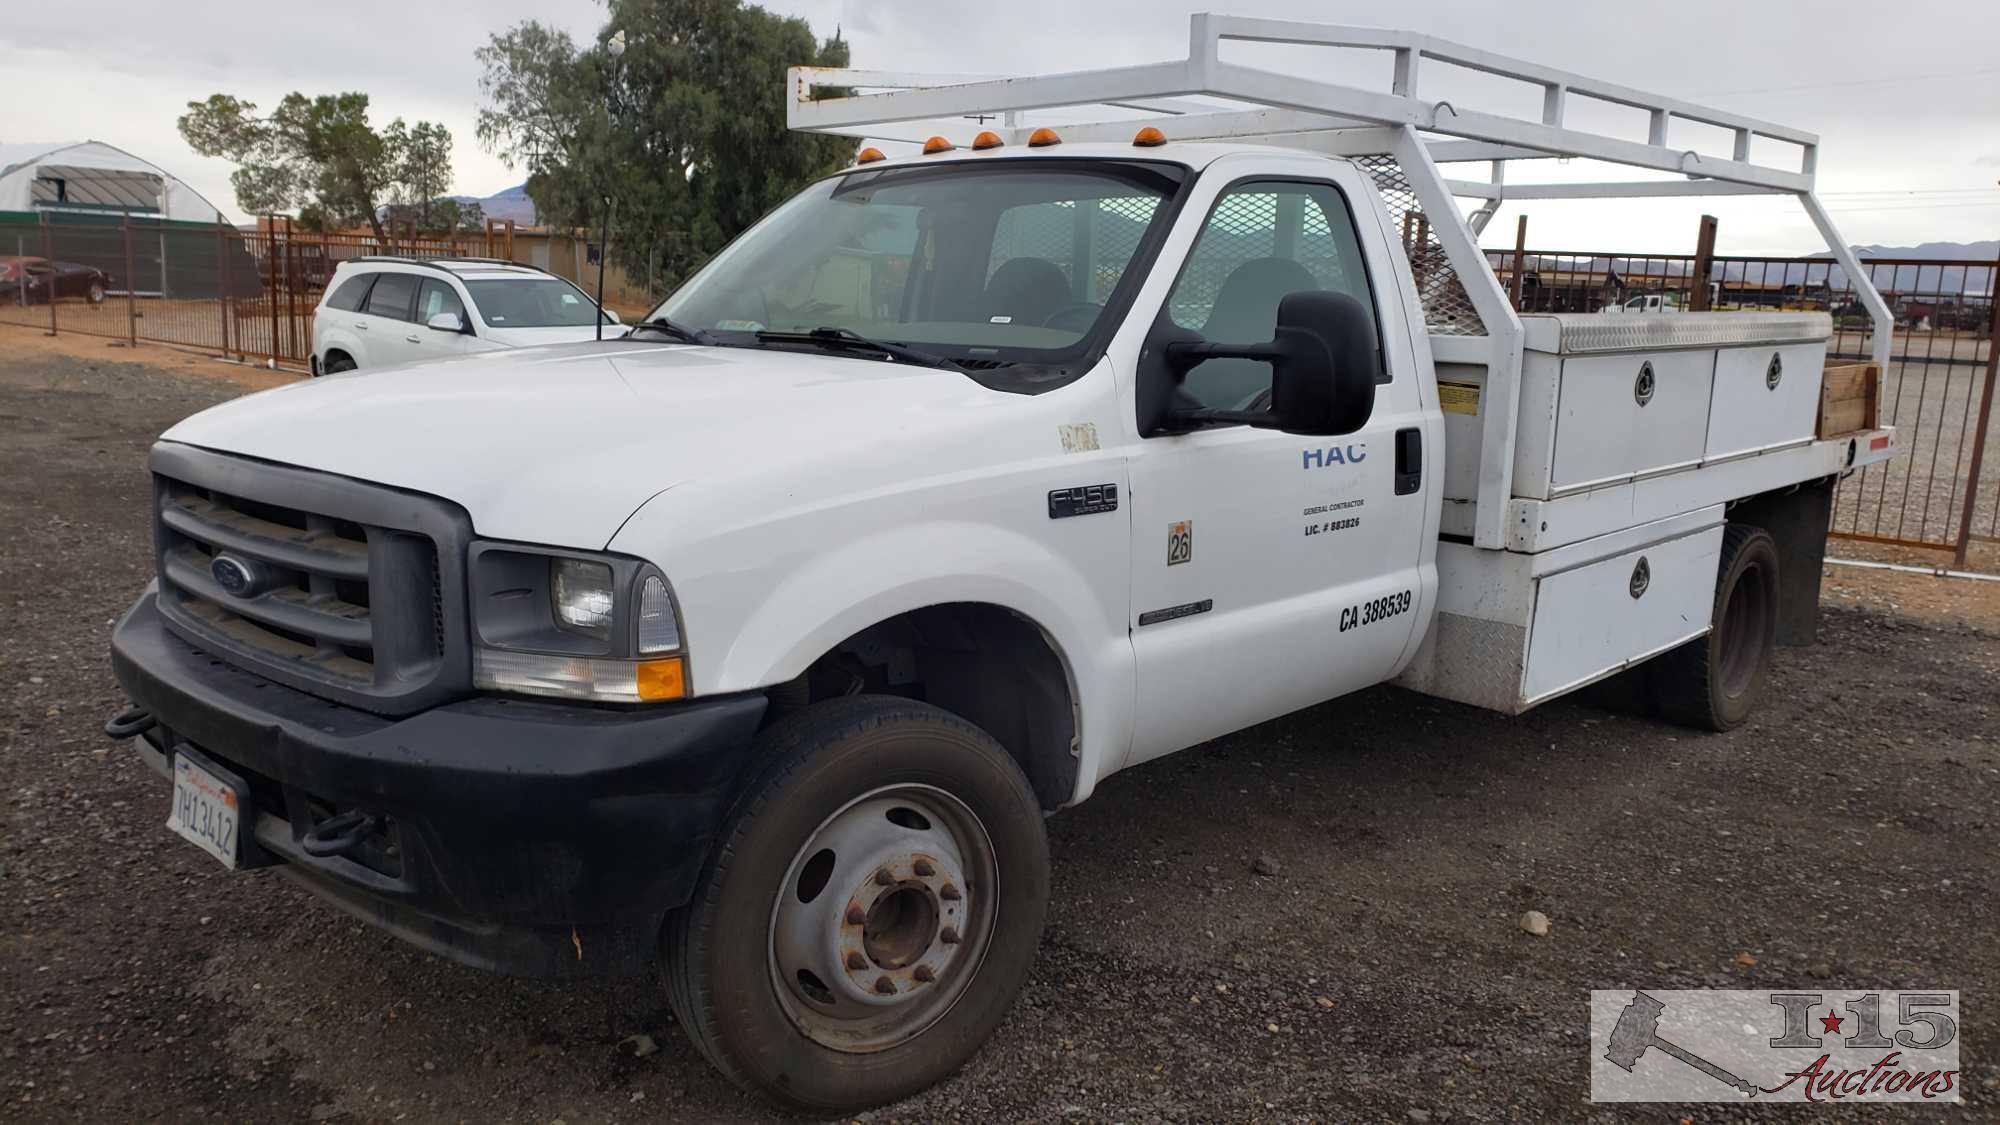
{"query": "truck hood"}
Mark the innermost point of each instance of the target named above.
(560, 445)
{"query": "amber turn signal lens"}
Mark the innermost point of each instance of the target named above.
(661, 680)
(986, 140)
(937, 144)
(870, 156)
(1043, 138)
(1149, 137)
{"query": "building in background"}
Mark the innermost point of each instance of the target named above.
(84, 191)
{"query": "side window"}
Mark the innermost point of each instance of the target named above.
(350, 294)
(1261, 242)
(391, 296)
(438, 297)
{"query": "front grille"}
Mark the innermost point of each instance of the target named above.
(338, 587)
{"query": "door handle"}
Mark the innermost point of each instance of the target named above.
(1409, 460)
(361, 328)
(412, 338)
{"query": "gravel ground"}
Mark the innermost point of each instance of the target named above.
(1848, 839)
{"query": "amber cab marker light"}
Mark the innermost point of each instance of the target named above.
(869, 156)
(1043, 138)
(986, 140)
(937, 144)
(1149, 137)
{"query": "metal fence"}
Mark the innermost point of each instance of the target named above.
(1943, 488)
(237, 293)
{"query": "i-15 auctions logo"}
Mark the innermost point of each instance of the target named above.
(1702, 1045)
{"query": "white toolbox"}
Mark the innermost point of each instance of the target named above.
(1607, 399)
(1515, 629)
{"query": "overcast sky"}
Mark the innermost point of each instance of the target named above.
(1905, 96)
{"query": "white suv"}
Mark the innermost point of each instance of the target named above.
(381, 312)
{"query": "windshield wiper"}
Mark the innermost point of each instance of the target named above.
(679, 332)
(848, 340)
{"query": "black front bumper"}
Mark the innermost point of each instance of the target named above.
(522, 836)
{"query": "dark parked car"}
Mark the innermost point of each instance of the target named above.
(32, 281)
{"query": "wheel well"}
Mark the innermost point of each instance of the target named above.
(983, 663)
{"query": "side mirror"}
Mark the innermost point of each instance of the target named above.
(611, 316)
(1323, 380)
(446, 322)
(1324, 361)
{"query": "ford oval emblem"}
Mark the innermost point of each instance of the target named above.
(232, 574)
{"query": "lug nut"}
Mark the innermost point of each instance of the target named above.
(924, 974)
(885, 986)
(924, 868)
(949, 893)
(949, 935)
(856, 962)
(884, 877)
(856, 915)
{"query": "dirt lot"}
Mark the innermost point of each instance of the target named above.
(1848, 839)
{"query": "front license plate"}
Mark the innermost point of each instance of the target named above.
(205, 811)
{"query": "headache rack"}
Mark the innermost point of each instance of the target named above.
(1395, 134)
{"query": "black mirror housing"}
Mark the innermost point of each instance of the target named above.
(1325, 359)
(1326, 363)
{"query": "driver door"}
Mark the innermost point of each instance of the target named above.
(1272, 571)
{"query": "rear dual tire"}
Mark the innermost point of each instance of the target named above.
(1715, 682)
(870, 912)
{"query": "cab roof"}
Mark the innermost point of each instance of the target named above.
(1193, 155)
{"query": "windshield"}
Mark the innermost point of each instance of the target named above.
(1010, 262)
(539, 302)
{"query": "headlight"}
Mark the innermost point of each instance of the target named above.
(575, 626)
(582, 595)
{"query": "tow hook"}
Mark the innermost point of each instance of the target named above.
(338, 835)
(130, 722)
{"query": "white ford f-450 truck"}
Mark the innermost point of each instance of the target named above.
(760, 640)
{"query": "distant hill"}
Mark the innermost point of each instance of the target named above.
(511, 203)
(1934, 251)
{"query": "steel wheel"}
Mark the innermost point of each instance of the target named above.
(883, 918)
(96, 293)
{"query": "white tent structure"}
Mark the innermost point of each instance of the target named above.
(91, 176)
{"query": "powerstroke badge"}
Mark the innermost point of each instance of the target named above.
(1175, 613)
(1716, 1045)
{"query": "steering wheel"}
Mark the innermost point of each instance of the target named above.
(1075, 309)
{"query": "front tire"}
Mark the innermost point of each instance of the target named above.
(1714, 682)
(96, 293)
(870, 912)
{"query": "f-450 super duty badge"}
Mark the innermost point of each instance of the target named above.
(1083, 500)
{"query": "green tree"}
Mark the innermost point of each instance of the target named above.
(675, 115)
(319, 157)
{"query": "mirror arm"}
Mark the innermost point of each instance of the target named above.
(1183, 356)
(1181, 420)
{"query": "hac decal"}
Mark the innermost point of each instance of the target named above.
(1336, 455)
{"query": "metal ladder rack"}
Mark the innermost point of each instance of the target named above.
(1203, 97)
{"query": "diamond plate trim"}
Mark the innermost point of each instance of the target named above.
(1472, 660)
(1582, 333)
